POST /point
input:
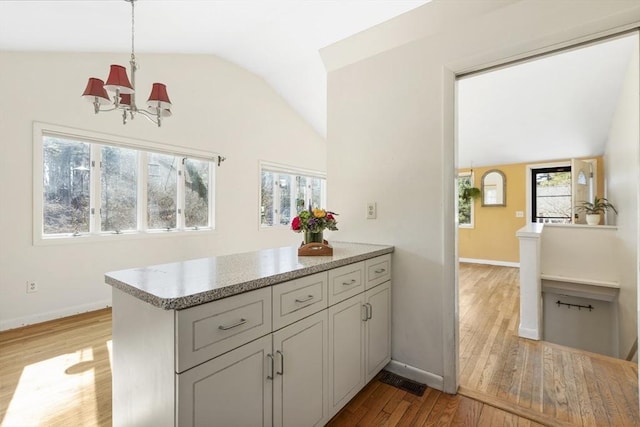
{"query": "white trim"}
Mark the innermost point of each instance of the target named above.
(97, 141)
(531, 334)
(450, 320)
(293, 170)
(490, 262)
(40, 128)
(19, 322)
(415, 374)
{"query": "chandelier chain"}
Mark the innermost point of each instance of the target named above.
(133, 20)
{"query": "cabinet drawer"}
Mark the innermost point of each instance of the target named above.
(378, 270)
(208, 330)
(299, 298)
(345, 282)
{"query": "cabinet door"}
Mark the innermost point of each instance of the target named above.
(346, 351)
(230, 390)
(300, 387)
(378, 329)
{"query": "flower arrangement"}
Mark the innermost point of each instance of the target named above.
(314, 221)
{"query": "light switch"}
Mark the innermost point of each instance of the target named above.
(519, 214)
(371, 210)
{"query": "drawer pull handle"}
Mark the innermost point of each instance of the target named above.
(351, 282)
(381, 270)
(233, 325)
(308, 298)
(270, 376)
(281, 363)
(369, 311)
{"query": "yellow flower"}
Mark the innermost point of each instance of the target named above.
(319, 213)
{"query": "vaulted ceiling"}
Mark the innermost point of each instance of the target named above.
(554, 107)
(275, 39)
(551, 108)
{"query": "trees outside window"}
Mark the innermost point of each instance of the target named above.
(465, 205)
(285, 191)
(90, 187)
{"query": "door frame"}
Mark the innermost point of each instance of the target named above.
(450, 76)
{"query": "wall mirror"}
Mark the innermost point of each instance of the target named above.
(494, 188)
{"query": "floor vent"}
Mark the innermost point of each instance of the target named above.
(402, 383)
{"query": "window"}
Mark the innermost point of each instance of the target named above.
(88, 184)
(465, 204)
(551, 194)
(285, 191)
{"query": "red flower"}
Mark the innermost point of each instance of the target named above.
(329, 216)
(295, 224)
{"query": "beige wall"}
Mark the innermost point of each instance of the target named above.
(493, 236)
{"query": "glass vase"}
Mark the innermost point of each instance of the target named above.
(311, 237)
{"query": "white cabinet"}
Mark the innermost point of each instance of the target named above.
(346, 351)
(288, 355)
(377, 329)
(301, 373)
(234, 389)
(360, 336)
(286, 371)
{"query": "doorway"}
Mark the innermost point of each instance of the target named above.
(518, 142)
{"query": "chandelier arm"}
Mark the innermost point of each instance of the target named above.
(152, 117)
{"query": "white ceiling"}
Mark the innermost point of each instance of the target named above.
(557, 107)
(275, 39)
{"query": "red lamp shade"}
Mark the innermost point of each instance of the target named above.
(95, 92)
(118, 80)
(125, 100)
(159, 97)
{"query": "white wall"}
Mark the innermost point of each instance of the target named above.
(217, 106)
(390, 140)
(622, 163)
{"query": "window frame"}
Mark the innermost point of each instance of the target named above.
(471, 224)
(97, 141)
(295, 172)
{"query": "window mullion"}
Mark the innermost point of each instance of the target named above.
(95, 195)
(212, 200)
(276, 199)
(143, 170)
(180, 194)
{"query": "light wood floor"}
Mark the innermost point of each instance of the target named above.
(58, 374)
(549, 383)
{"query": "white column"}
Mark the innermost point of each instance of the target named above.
(530, 282)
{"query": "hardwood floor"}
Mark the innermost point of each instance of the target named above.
(546, 382)
(59, 373)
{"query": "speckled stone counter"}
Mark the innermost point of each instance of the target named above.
(181, 285)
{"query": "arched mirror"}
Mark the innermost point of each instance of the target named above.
(493, 188)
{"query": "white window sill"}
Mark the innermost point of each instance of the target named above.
(68, 239)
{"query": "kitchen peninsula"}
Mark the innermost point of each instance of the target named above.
(253, 339)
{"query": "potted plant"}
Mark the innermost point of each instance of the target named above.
(470, 193)
(594, 209)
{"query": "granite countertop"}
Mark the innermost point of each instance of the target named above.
(184, 284)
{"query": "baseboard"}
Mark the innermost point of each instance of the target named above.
(415, 374)
(52, 315)
(532, 334)
(490, 262)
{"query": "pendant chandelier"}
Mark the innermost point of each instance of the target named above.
(124, 98)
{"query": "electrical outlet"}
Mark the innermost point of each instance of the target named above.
(32, 287)
(371, 210)
(519, 214)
